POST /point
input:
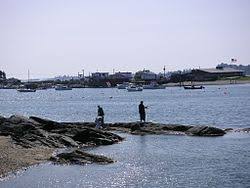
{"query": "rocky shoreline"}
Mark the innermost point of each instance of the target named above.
(27, 141)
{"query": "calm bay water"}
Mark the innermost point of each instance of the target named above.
(221, 106)
(146, 161)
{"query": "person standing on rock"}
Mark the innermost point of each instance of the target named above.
(100, 113)
(142, 112)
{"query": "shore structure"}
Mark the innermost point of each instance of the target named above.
(221, 74)
(28, 141)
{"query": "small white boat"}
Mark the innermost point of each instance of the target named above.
(154, 85)
(134, 88)
(62, 88)
(26, 90)
(193, 87)
(124, 85)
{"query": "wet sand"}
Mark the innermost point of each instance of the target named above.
(14, 157)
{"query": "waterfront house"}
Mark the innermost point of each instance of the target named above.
(215, 73)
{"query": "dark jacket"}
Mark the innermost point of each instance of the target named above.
(100, 112)
(141, 109)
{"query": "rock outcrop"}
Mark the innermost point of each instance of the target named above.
(80, 157)
(170, 129)
(34, 131)
(205, 131)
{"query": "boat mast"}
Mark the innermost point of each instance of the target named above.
(28, 75)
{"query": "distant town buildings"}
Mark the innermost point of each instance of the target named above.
(123, 75)
(215, 73)
(145, 75)
(100, 75)
(245, 68)
(66, 78)
(105, 79)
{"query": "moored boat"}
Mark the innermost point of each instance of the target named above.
(62, 88)
(193, 87)
(134, 88)
(124, 85)
(26, 90)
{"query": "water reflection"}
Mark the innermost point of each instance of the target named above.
(153, 161)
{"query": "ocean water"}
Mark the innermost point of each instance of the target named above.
(221, 106)
(145, 161)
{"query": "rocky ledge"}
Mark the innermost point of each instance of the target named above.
(169, 129)
(138, 128)
(80, 157)
(35, 132)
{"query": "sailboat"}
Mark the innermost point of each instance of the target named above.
(23, 89)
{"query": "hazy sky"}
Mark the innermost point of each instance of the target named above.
(57, 37)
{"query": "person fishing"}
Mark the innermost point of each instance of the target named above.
(100, 113)
(142, 112)
(98, 122)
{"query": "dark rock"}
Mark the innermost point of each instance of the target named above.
(205, 131)
(102, 141)
(17, 119)
(228, 129)
(246, 130)
(170, 129)
(39, 132)
(97, 137)
(123, 125)
(181, 128)
(2, 119)
(80, 124)
(51, 140)
(81, 158)
(48, 125)
(64, 140)
(8, 128)
(135, 127)
(34, 131)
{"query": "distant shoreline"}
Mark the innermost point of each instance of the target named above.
(217, 82)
